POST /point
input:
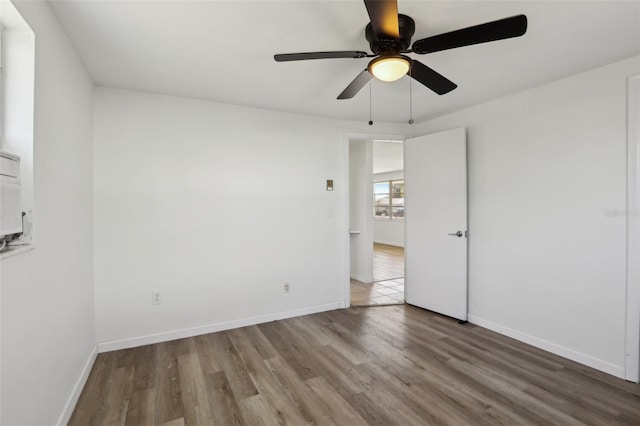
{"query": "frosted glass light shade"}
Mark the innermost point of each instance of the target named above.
(389, 68)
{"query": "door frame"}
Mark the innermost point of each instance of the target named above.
(346, 255)
(632, 320)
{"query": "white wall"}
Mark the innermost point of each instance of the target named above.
(546, 264)
(47, 312)
(361, 200)
(386, 230)
(217, 206)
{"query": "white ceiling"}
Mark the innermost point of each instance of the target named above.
(223, 50)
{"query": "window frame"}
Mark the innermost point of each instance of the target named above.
(389, 206)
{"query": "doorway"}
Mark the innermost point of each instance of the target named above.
(434, 226)
(377, 206)
(388, 285)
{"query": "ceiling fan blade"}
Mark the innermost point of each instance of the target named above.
(284, 57)
(384, 17)
(434, 81)
(514, 26)
(354, 87)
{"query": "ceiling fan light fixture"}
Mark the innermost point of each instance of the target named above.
(390, 68)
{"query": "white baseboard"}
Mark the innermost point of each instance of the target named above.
(579, 357)
(389, 243)
(362, 279)
(212, 328)
(77, 389)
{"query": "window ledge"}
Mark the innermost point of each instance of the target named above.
(15, 250)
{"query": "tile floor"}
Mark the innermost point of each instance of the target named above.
(388, 276)
(377, 293)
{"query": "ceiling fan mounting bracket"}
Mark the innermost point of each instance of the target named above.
(384, 46)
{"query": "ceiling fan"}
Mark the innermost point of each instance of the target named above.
(389, 36)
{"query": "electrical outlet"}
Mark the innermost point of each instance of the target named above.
(156, 297)
(286, 287)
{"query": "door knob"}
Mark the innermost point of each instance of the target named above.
(457, 234)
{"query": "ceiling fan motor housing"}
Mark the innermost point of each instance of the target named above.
(384, 46)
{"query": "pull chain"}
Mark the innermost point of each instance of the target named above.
(370, 120)
(410, 99)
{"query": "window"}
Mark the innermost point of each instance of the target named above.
(388, 199)
(17, 59)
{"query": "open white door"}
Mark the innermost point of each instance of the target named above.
(632, 341)
(435, 174)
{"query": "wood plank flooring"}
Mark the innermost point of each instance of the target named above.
(388, 273)
(388, 365)
(388, 262)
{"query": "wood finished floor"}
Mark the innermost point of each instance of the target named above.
(388, 262)
(388, 365)
(388, 275)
